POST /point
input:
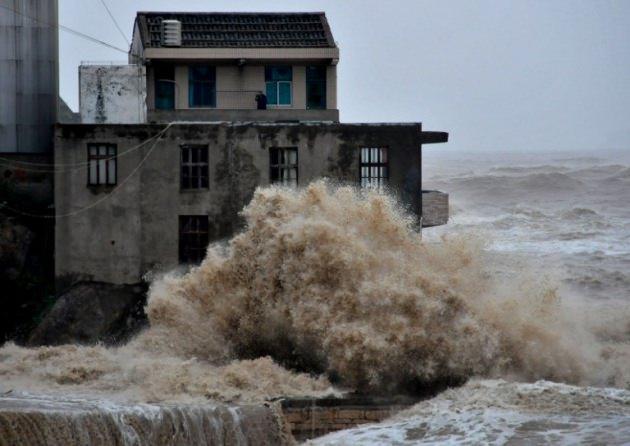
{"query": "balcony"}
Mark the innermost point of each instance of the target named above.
(434, 208)
(241, 105)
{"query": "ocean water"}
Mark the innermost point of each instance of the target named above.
(525, 294)
(562, 219)
(503, 413)
(566, 210)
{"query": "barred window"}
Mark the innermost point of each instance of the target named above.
(284, 166)
(102, 164)
(193, 238)
(374, 167)
(194, 167)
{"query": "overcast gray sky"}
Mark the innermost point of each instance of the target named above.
(497, 74)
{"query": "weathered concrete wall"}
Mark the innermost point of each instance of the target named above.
(112, 94)
(119, 235)
(29, 174)
(434, 208)
(28, 75)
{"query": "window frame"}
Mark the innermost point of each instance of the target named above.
(276, 101)
(203, 166)
(213, 82)
(109, 159)
(283, 165)
(321, 82)
(383, 179)
(201, 232)
(162, 82)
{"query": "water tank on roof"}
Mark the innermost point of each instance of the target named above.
(171, 33)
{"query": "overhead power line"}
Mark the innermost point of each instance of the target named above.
(63, 167)
(67, 29)
(105, 197)
(122, 33)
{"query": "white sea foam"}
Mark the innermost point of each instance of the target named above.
(499, 412)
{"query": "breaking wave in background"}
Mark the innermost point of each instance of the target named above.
(332, 288)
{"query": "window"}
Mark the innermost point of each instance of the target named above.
(316, 87)
(374, 167)
(193, 238)
(102, 164)
(284, 166)
(202, 86)
(194, 167)
(164, 87)
(278, 81)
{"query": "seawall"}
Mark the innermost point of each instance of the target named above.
(52, 421)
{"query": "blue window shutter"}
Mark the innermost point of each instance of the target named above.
(272, 93)
(284, 96)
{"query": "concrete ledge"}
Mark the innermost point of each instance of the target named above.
(243, 115)
(434, 208)
(59, 421)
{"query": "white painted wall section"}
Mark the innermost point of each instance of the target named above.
(113, 94)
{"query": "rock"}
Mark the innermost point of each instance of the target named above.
(92, 312)
(15, 241)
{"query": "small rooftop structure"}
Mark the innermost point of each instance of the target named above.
(239, 30)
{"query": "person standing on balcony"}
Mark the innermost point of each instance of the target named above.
(261, 101)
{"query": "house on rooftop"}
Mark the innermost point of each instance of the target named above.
(212, 66)
(212, 105)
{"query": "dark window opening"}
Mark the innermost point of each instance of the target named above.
(193, 238)
(278, 84)
(164, 87)
(202, 89)
(374, 167)
(102, 164)
(316, 87)
(283, 162)
(194, 167)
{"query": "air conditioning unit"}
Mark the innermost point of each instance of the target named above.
(171, 33)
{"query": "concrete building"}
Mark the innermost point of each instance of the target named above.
(112, 94)
(212, 66)
(28, 76)
(233, 101)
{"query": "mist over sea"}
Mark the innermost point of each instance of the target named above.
(569, 212)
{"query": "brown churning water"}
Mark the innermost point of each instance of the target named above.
(336, 282)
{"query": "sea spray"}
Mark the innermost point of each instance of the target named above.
(338, 280)
(333, 281)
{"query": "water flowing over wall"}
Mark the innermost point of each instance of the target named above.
(46, 421)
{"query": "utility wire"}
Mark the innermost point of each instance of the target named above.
(82, 165)
(65, 28)
(17, 163)
(122, 33)
(97, 202)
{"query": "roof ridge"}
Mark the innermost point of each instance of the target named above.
(232, 12)
(228, 29)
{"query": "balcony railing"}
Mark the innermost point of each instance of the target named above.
(237, 99)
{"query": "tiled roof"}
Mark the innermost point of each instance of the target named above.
(240, 30)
